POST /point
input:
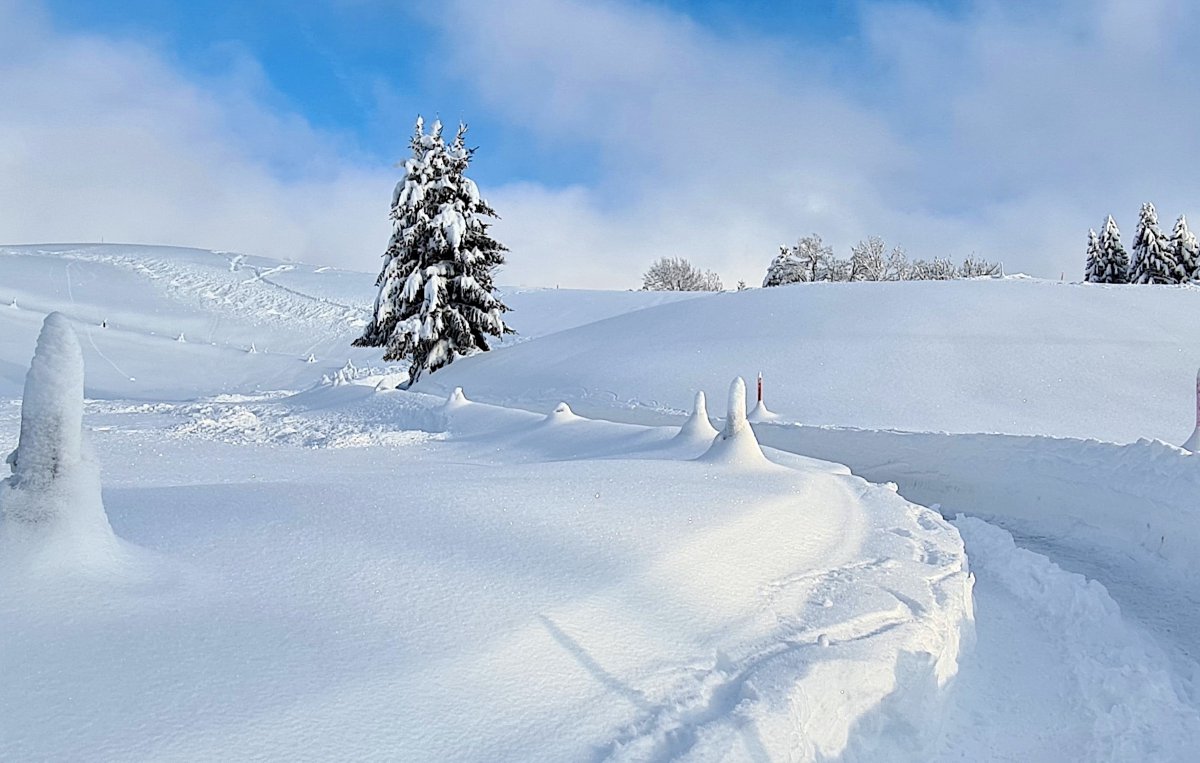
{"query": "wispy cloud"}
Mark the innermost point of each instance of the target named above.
(1002, 128)
(104, 138)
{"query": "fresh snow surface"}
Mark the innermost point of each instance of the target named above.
(316, 566)
(1016, 355)
(631, 602)
(222, 304)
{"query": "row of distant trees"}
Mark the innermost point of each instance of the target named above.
(1157, 258)
(811, 260)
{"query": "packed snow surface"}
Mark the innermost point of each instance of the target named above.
(315, 565)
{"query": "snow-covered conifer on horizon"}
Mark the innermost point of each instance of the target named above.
(1185, 251)
(1112, 265)
(436, 297)
(1153, 261)
(1090, 272)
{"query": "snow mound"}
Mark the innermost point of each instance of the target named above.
(577, 595)
(456, 399)
(698, 428)
(760, 413)
(561, 414)
(1019, 356)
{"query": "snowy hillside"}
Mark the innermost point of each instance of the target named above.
(316, 567)
(1017, 356)
(222, 304)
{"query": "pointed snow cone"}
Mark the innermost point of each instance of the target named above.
(698, 427)
(311, 358)
(181, 339)
(53, 495)
(736, 444)
(561, 413)
(253, 350)
(1193, 443)
(455, 399)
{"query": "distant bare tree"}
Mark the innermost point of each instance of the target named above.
(937, 269)
(977, 267)
(867, 260)
(809, 260)
(677, 274)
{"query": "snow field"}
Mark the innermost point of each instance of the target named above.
(1016, 356)
(301, 591)
(634, 603)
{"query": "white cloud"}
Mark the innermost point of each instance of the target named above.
(1002, 128)
(104, 138)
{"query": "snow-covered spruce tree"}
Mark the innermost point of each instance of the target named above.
(1112, 264)
(1153, 261)
(1185, 250)
(1091, 274)
(677, 274)
(436, 300)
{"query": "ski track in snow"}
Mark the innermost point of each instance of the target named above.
(88, 329)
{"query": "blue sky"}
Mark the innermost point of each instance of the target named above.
(610, 132)
(327, 60)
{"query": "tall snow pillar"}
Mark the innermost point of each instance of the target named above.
(1193, 443)
(736, 444)
(55, 484)
(735, 418)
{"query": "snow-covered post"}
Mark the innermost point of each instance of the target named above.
(698, 427)
(55, 484)
(1193, 443)
(760, 387)
(736, 444)
(735, 418)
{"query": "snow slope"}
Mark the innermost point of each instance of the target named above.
(223, 304)
(1017, 356)
(631, 603)
(308, 589)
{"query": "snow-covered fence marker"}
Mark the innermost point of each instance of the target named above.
(736, 444)
(698, 427)
(1193, 443)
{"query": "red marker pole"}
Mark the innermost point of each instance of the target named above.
(1197, 393)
